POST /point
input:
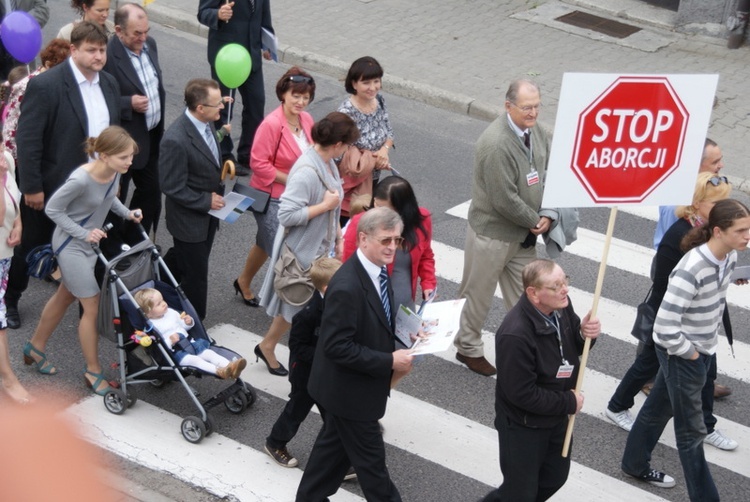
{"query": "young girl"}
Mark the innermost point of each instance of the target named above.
(10, 236)
(686, 338)
(78, 208)
(172, 327)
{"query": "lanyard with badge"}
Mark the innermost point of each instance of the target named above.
(566, 369)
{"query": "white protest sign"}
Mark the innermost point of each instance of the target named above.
(628, 139)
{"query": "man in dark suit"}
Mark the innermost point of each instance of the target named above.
(191, 180)
(62, 107)
(354, 362)
(239, 22)
(132, 58)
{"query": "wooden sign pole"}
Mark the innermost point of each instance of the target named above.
(594, 307)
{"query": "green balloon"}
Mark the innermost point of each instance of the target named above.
(233, 65)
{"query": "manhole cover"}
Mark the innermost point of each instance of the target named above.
(598, 24)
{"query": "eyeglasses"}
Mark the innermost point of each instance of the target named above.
(386, 241)
(718, 180)
(300, 79)
(527, 109)
(220, 105)
(557, 287)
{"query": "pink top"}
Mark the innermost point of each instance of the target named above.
(275, 149)
(422, 257)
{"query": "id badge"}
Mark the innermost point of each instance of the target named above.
(565, 371)
(532, 178)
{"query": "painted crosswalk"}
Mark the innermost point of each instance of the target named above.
(415, 427)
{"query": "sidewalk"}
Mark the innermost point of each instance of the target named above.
(461, 55)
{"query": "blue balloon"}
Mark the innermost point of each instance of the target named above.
(21, 35)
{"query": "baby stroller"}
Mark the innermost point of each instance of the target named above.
(151, 361)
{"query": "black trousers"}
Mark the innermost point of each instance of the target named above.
(343, 443)
(531, 461)
(188, 262)
(147, 192)
(253, 104)
(296, 409)
(37, 230)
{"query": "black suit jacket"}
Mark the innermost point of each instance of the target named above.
(351, 373)
(243, 28)
(188, 173)
(120, 67)
(53, 128)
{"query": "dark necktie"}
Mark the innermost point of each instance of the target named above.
(527, 140)
(384, 293)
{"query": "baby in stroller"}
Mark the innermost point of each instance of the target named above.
(172, 327)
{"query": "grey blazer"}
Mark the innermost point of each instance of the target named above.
(53, 128)
(188, 173)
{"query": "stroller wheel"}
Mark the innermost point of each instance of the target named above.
(132, 396)
(115, 401)
(209, 425)
(193, 429)
(250, 393)
(236, 403)
(158, 383)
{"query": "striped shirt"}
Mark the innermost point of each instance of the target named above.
(150, 81)
(689, 316)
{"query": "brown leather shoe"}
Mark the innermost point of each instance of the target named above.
(721, 391)
(477, 364)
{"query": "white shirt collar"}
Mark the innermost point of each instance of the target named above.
(80, 78)
(372, 270)
(519, 132)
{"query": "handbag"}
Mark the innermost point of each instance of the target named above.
(260, 198)
(42, 260)
(643, 327)
(355, 169)
(291, 282)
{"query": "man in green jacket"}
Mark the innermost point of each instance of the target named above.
(509, 170)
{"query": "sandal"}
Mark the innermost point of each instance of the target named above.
(95, 386)
(42, 365)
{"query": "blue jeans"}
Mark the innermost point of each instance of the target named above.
(643, 370)
(676, 392)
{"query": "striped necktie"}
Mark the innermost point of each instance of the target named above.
(211, 141)
(385, 300)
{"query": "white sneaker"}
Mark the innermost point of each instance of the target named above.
(623, 419)
(719, 440)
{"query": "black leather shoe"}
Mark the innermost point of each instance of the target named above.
(12, 318)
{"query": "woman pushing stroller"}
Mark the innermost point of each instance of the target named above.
(78, 209)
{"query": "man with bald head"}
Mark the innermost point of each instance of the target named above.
(509, 170)
(132, 58)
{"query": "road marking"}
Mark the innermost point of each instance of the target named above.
(151, 437)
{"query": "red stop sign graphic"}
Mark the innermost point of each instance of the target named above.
(629, 139)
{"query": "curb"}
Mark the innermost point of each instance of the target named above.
(454, 102)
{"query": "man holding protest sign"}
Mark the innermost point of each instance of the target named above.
(537, 350)
(504, 221)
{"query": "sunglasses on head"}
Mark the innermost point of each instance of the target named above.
(718, 180)
(299, 79)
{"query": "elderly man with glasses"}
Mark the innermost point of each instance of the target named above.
(537, 349)
(504, 217)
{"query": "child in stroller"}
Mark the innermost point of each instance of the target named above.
(172, 327)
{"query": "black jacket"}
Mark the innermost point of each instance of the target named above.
(528, 357)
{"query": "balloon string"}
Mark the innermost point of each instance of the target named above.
(231, 102)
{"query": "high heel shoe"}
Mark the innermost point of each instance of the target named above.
(252, 302)
(42, 366)
(280, 371)
(95, 386)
